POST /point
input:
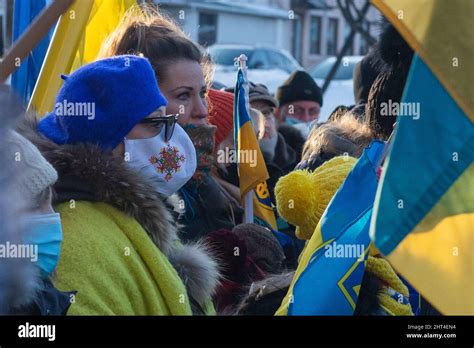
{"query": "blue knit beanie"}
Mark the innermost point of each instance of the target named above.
(102, 101)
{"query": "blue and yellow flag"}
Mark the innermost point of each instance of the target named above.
(76, 41)
(25, 76)
(331, 268)
(424, 213)
(252, 174)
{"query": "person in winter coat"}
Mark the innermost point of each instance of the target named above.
(119, 157)
(300, 100)
(181, 68)
(381, 292)
(280, 158)
(39, 227)
(239, 270)
(278, 155)
(208, 206)
(246, 254)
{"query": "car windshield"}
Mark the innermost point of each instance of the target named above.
(342, 73)
(226, 56)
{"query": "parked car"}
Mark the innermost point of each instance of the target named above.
(340, 90)
(270, 66)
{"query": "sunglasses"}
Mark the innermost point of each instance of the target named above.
(168, 120)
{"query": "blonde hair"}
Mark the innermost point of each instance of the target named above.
(144, 30)
(345, 134)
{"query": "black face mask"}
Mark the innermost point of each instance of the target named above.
(231, 176)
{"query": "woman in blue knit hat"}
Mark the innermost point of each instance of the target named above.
(119, 158)
(181, 67)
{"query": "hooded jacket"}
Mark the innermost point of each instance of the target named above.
(120, 247)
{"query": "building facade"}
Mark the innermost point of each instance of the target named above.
(310, 30)
(321, 30)
(263, 22)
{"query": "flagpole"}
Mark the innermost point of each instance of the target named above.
(248, 198)
(60, 55)
(32, 36)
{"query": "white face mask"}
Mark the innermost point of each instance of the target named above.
(168, 165)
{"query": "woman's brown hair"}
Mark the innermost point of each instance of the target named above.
(146, 31)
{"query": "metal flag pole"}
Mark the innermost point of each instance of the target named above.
(248, 198)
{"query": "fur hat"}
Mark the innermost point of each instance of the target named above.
(364, 75)
(394, 56)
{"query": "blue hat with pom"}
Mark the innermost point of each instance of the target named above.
(102, 101)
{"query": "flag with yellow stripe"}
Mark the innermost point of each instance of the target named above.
(252, 174)
(424, 211)
(76, 41)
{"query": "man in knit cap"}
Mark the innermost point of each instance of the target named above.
(300, 99)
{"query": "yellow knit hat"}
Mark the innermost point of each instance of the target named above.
(302, 196)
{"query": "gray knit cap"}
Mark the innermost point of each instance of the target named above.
(33, 173)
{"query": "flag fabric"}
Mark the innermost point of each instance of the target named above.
(424, 213)
(76, 41)
(262, 204)
(252, 174)
(104, 17)
(25, 76)
(331, 268)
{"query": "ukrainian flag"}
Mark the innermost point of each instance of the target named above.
(24, 78)
(76, 41)
(424, 213)
(251, 175)
(331, 268)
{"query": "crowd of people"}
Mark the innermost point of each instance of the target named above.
(134, 214)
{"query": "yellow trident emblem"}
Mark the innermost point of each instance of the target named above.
(262, 190)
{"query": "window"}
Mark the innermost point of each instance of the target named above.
(226, 56)
(207, 34)
(315, 35)
(364, 47)
(278, 59)
(343, 72)
(331, 37)
(275, 59)
(258, 60)
(288, 64)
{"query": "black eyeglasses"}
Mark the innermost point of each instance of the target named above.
(168, 120)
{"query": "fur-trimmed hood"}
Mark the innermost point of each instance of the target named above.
(88, 173)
